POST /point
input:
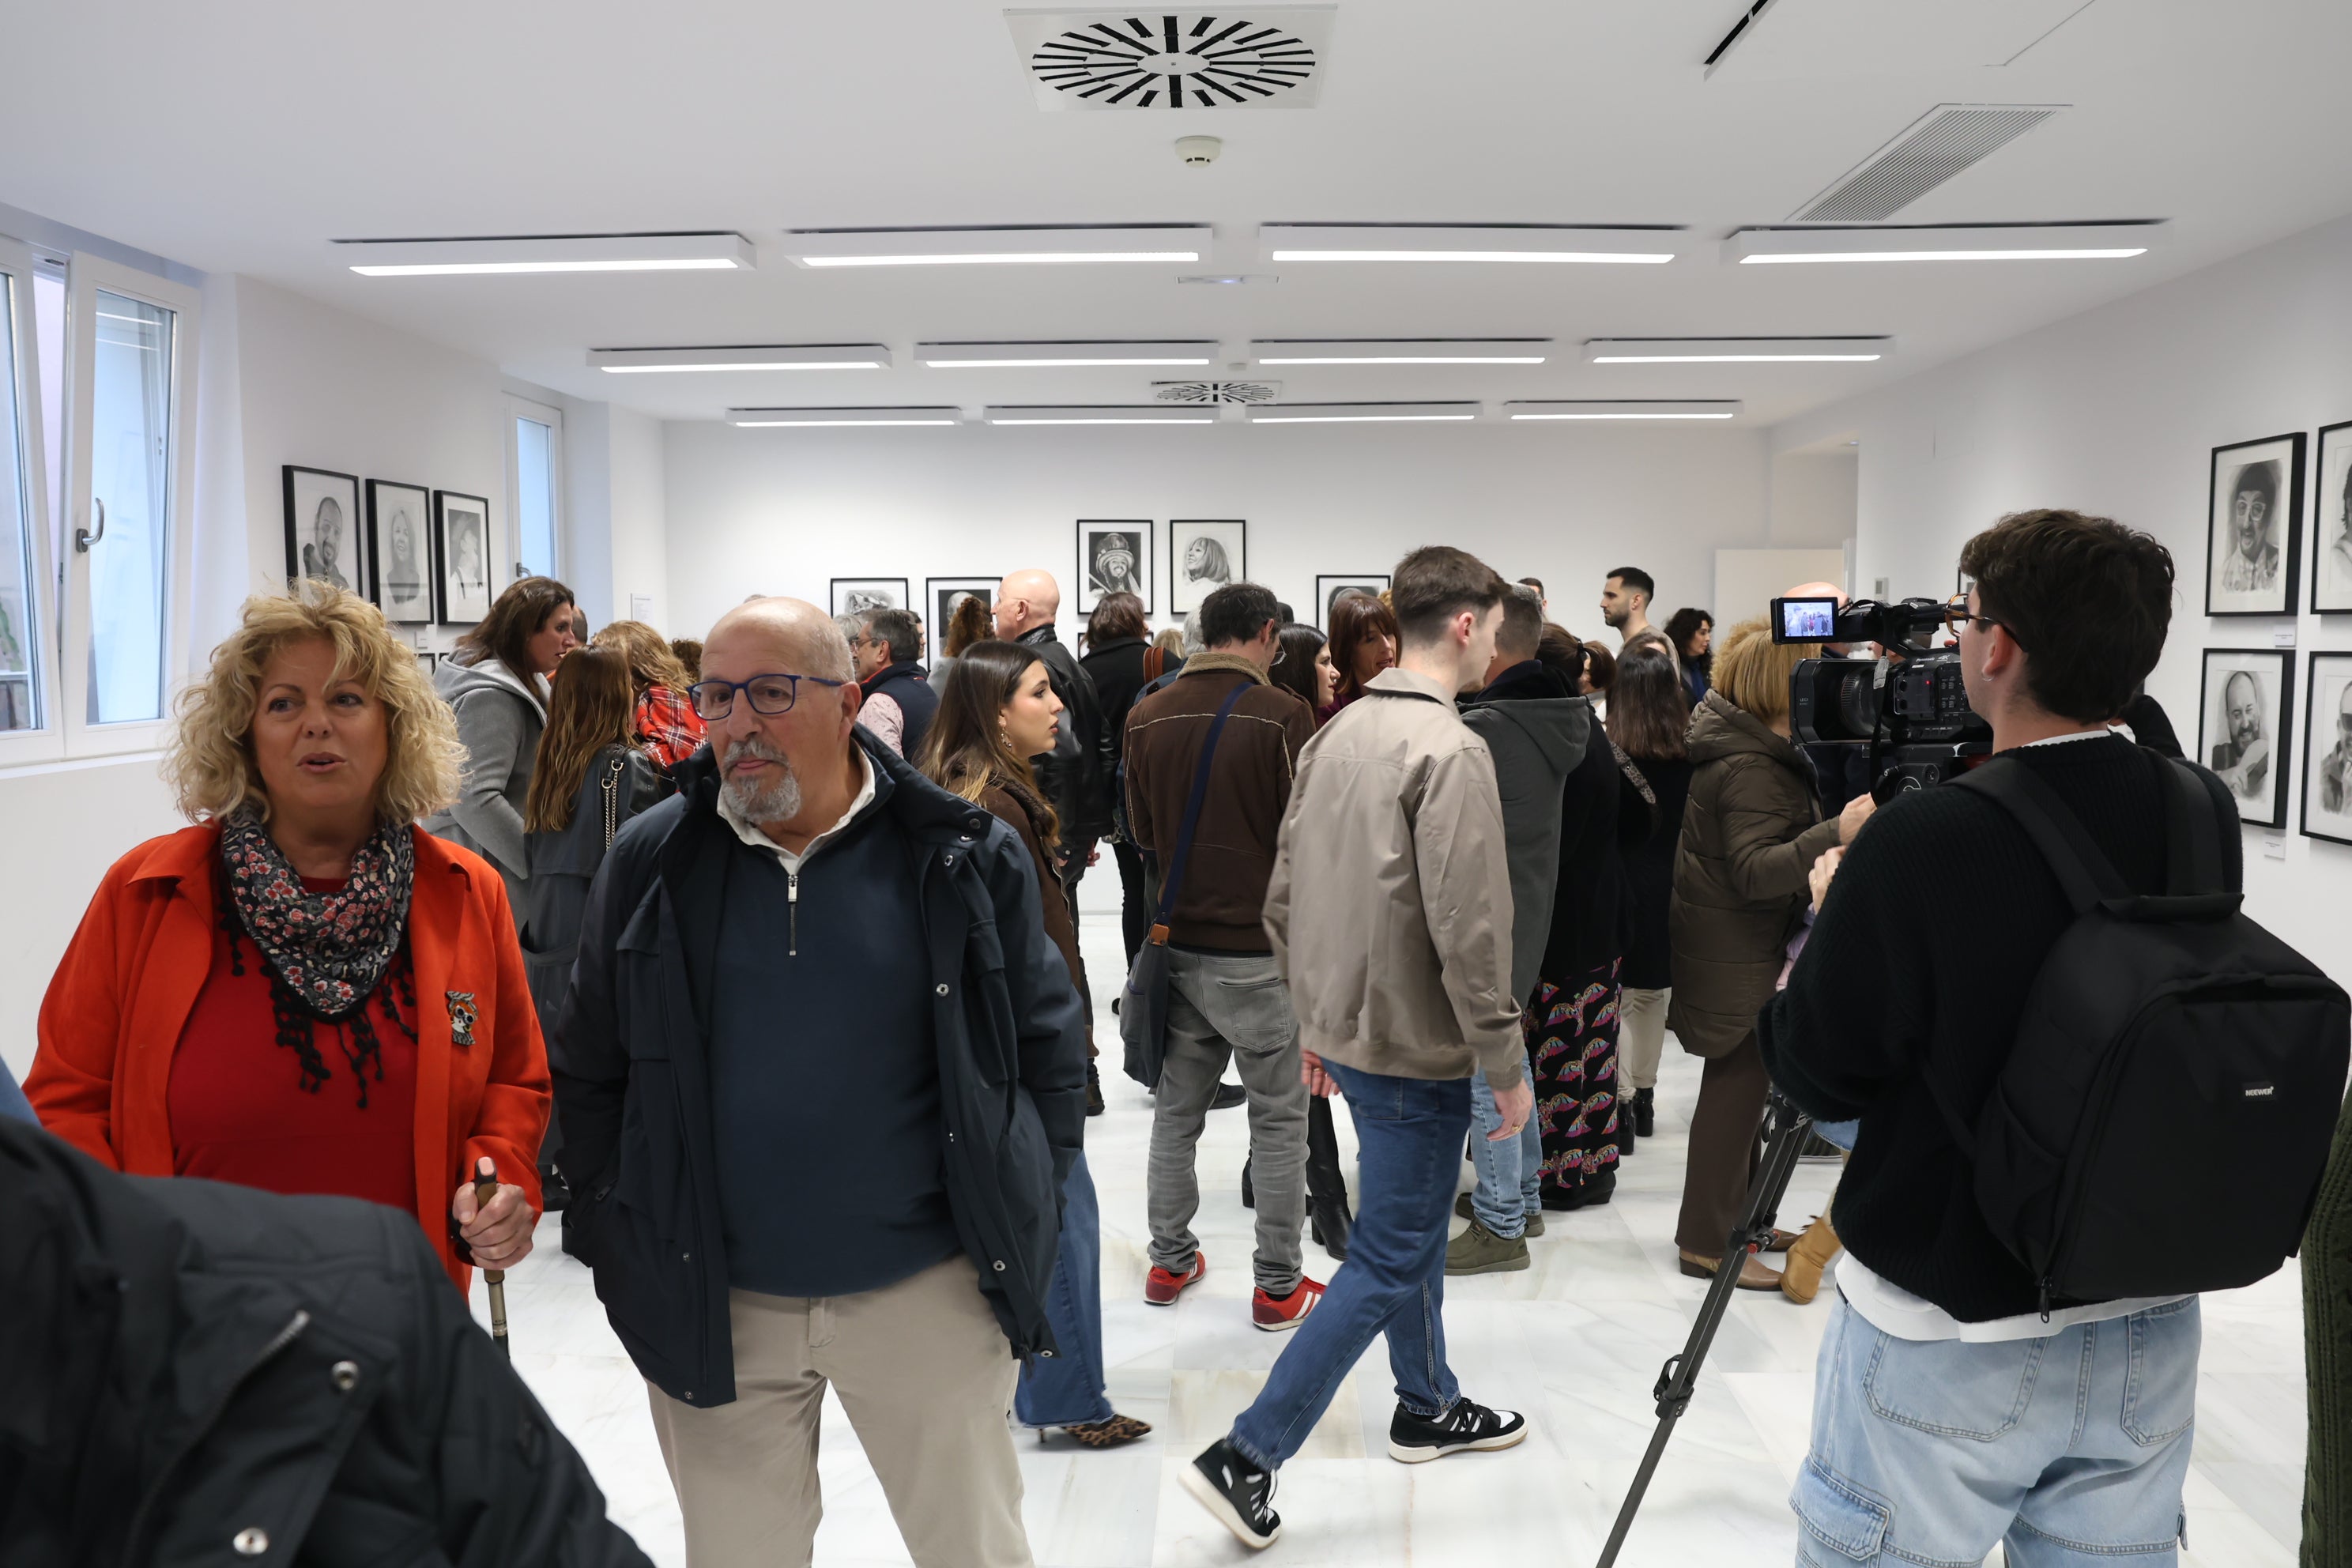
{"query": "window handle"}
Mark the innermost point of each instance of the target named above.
(84, 538)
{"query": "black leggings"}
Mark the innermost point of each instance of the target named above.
(1135, 912)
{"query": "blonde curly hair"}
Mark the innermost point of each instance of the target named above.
(211, 767)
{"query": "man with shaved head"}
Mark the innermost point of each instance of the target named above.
(822, 1076)
(1076, 774)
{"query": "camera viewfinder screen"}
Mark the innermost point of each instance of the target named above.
(1804, 620)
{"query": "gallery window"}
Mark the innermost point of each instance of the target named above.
(97, 378)
(535, 483)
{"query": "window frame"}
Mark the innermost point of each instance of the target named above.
(85, 276)
(513, 408)
(18, 263)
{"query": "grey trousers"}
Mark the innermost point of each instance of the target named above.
(1239, 1007)
(1641, 1037)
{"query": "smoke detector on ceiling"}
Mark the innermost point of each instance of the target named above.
(1262, 57)
(1198, 152)
(1220, 392)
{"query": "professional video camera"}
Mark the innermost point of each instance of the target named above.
(1908, 707)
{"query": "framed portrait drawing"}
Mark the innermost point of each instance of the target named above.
(465, 558)
(2331, 525)
(1114, 557)
(941, 597)
(400, 551)
(2252, 523)
(1203, 555)
(1329, 590)
(2327, 748)
(861, 595)
(322, 528)
(2243, 719)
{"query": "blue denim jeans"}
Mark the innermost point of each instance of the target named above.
(2070, 1450)
(1409, 1136)
(1510, 1174)
(1066, 1389)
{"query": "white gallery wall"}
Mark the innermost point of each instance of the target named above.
(2115, 412)
(785, 511)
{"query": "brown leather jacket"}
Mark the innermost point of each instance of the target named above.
(1221, 904)
(1021, 817)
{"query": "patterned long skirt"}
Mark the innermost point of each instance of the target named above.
(1572, 1029)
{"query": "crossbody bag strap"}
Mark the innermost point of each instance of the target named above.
(613, 799)
(2087, 876)
(1173, 882)
(1634, 774)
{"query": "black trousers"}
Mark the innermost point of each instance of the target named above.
(1135, 911)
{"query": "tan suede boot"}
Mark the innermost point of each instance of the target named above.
(1801, 1277)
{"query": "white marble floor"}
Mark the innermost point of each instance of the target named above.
(1576, 1341)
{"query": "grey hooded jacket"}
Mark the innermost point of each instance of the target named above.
(499, 717)
(1537, 731)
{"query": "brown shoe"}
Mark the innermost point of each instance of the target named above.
(1753, 1275)
(1116, 1433)
(1800, 1281)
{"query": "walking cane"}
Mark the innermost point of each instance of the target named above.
(486, 1187)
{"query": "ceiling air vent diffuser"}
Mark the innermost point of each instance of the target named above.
(1947, 139)
(1266, 56)
(1216, 391)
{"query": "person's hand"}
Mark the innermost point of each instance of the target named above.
(1824, 870)
(499, 1231)
(1318, 1083)
(1514, 1105)
(1857, 812)
(1094, 857)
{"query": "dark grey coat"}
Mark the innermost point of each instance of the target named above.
(500, 718)
(1537, 732)
(621, 782)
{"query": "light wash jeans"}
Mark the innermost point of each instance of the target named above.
(1066, 1389)
(2069, 1449)
(1510, 1174)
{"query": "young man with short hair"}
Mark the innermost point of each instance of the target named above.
(1389, 910)
(1625, 602)
(1954, 1406)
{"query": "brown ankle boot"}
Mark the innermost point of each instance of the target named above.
(1753, 1275)
(1801, 1278)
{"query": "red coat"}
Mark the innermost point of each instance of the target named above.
(122, 993)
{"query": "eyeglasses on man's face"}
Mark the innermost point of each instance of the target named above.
(767, 694)
(1957, 615)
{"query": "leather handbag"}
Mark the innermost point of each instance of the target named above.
(1143, 1009)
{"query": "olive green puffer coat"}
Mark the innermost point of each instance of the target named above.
(1750, 836)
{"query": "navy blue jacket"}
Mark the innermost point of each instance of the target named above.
(909, 686)
(630, 1052)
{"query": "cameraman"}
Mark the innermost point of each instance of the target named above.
(1949, 1412)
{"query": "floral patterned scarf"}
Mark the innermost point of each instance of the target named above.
(328, 953)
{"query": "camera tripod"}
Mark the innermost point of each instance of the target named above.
(1784, 1141)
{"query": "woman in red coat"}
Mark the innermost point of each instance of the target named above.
(304, 991)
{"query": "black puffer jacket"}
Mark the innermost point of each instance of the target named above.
(194, 1372)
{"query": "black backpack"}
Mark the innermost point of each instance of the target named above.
(2177, 1072)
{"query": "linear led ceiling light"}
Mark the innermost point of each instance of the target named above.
(769, 418)
(1623, 408)
(1736, 350)
(745, 356)
(1099, 414)
(1400, 351)
(1008, 246)
(1066, 352)
(1944, 242)
(1527, 242)
(707, 252)
(1358, 413)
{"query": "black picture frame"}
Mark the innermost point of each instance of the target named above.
(2263, 804)
(940, 596)
(403, 578)
(2331, 502)
(464, 591)
(2326, 751)
(2273, 592)
(1327, 587)
(1098, 569)
(849, 593)
(317, 546)
(1228, 537)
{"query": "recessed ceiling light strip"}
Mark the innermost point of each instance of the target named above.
(741, 357)
(775, 418)
(1019, 246)
(1531, 243)
(1361, 413)
(1400, 351)
(490, 254)
(1064, 353)
(1943, 242)
(1621, 408)
(1099, 414)
(1736, 351)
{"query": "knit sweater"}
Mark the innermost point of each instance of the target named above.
(1924, 951)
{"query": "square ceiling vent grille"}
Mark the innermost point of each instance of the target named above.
(1266, 56)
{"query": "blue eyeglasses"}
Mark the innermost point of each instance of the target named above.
(769, 694)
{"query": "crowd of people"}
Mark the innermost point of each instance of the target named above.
(757, 957)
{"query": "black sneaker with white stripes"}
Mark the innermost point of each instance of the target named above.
(1238, 1493)
(1417, 1439)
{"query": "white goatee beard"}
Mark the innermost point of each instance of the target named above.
(776, 800)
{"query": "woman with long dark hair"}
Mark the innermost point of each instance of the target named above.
(1117, 637)
(1305, 668)
(998, 713)
(1647, 719)
(1363, 643)
(1692, 633)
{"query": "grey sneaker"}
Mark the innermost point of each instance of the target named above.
(1480, 1251)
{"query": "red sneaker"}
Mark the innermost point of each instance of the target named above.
(1275, 1313)
(1162, 1288)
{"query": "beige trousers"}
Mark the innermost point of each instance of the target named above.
(1641, 1037)
(926, 1376)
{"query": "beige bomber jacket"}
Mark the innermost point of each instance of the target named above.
(1389, 906)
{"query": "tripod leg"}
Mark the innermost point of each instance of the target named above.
(1679, 1377)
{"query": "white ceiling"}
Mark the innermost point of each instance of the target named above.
(243, 138)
